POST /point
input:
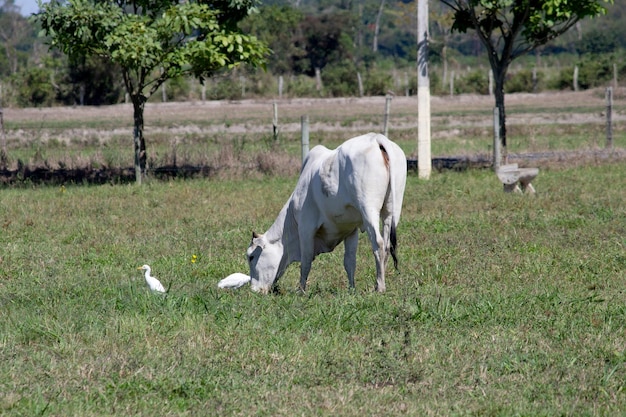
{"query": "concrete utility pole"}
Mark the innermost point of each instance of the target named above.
(424, 160)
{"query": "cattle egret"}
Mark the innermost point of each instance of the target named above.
(233, 281)
(152, 282)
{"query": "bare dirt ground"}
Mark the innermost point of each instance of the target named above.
(451, 117)
(247, 113)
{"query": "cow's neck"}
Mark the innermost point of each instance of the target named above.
(285, 231)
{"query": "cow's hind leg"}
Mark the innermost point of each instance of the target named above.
(349, 258)
(371, 225)
(387, 220)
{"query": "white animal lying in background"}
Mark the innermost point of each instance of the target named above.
(152, 282)
(235, 280)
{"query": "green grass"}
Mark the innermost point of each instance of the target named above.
(504, 304)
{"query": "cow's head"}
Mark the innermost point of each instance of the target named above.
(265, 259)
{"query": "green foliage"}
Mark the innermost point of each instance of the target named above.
(564, 80)
(539, 21)
(594, 70)
(34, 88)
(377, 82)
(474, 82)
(324, 41)
(181, 39)
(340, 80)
(279, 27)
(92, 81)
(523, 82)
(597, 42)
(178, 89)
(301, 86)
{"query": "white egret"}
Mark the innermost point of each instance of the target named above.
(233, 281)
(152, 282)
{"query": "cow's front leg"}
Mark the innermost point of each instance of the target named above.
(305, 268)
(349, 258)
(306, 259)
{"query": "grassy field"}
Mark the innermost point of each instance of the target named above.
(504, 304)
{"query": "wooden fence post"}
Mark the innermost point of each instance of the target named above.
(386, 117)
(275, 122)
(2, 133)
(280, 87)
(609, 117)
(242, 80)
(305, 137)
(451, 83)
(406, 84)
(318, 80)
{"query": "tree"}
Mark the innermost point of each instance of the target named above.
(323, 41)
(511, 28)
(278, 26)
(15, 36)
(152, 41)
(93, 82)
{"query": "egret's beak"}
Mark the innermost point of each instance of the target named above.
(138, 267)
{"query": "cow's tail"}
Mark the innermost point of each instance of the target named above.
(392, 248)
(393, 240)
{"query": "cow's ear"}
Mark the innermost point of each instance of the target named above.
(257, 239)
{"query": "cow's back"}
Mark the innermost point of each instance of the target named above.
(356, 177)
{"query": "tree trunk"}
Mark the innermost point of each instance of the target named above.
(444, 60)
(139, 103)
(499, 75)
(377, 26)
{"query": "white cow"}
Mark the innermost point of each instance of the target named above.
(339, 192)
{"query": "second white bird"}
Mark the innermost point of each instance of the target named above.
(235, 280)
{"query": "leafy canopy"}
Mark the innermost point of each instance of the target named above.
(161, 39)
(537, 21)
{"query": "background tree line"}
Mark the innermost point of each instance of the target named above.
(321, 48)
